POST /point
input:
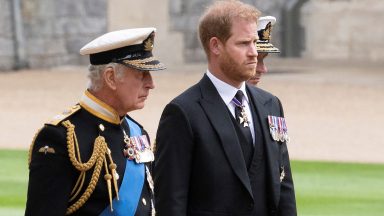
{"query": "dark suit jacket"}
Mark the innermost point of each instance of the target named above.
(199, 168)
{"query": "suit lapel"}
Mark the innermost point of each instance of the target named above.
(219, 116)
(262, 108)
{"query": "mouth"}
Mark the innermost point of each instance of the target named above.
(251, 65)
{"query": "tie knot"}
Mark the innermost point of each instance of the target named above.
(239, 96)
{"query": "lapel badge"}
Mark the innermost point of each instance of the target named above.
(46, 149)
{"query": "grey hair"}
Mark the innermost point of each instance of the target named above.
(95, 74)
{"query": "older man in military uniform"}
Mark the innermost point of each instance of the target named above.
(264, 47)
(93, 159)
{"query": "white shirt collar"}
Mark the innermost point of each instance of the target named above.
(226, 91)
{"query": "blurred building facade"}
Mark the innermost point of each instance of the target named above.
(46, 33)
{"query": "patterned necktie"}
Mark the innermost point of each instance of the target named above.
(241, 116)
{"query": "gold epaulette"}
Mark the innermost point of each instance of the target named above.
(65, 114)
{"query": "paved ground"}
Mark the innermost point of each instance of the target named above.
(334, 111)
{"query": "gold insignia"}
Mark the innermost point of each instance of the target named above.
(46, 149)
(65, 114)
(266, 33)
(148, 43)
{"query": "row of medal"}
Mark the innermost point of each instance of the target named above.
(138, 148)
(278, 128)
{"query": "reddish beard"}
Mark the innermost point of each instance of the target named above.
(234, 70)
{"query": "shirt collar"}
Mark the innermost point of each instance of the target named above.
(98, 108)
(226, 91)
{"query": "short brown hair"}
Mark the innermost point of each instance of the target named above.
(217, 20)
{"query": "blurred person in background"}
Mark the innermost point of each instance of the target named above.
(222, 144)
(94, 159)
(264, 47)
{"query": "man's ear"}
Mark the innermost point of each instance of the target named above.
(215, 45)
(109, 77)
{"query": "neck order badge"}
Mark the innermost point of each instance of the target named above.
(240, 114)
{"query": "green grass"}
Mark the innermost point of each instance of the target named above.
(322, 188)
(13, 182)
(335, 189)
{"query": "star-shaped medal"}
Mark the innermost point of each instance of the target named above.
(244, 119)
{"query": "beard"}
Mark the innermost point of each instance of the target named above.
(234, 70)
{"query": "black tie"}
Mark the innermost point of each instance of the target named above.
(243, 123)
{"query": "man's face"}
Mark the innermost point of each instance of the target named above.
(132, 89)
(261, 69)
(238, 58)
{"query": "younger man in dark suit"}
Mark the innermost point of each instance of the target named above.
(221, 144)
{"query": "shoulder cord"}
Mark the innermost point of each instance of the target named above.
(97, 160)
(31, 147)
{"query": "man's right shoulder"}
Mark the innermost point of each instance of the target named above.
(188, 97)
(52, 137)
(63, 115)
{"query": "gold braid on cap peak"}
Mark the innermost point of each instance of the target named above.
(97, 160)
(141, 63)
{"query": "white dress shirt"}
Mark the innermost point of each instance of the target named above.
(227, 93)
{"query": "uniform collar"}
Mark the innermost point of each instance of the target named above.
(98, 108)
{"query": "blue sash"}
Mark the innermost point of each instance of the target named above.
(131, 186)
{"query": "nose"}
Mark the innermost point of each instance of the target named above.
(148, 81)
(253, 51)
(261, 67)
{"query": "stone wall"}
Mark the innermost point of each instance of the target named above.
(344, 30)
(53, 31)
(148, 13)
(185, 14)
(6, 36)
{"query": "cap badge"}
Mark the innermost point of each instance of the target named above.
(266, 33)
(148, 44)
